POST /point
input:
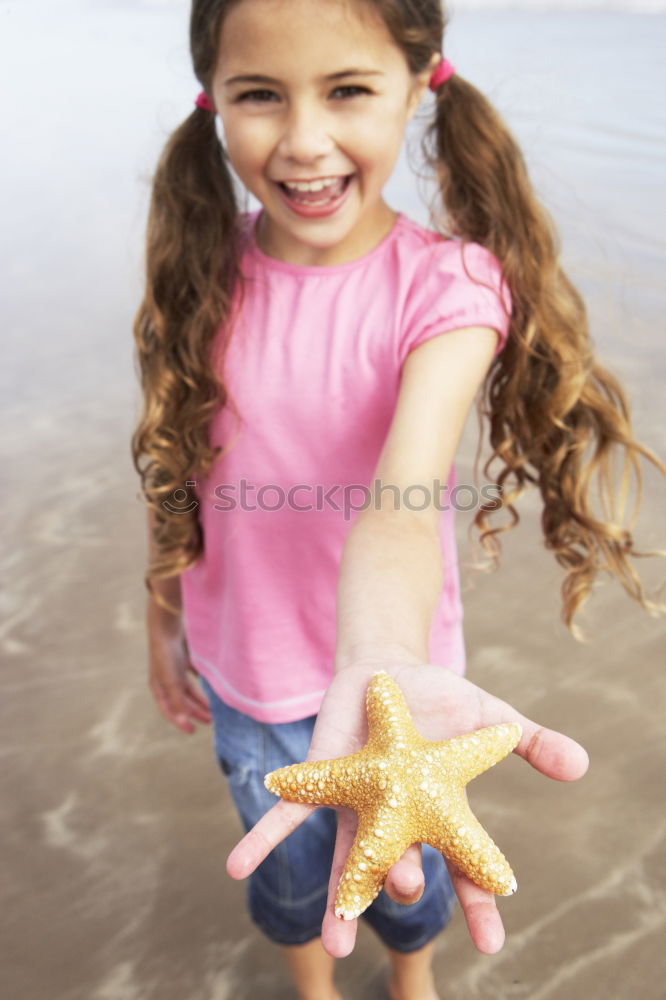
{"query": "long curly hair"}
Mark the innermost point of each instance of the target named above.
(556, 417)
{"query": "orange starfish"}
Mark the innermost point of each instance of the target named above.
(405, 790)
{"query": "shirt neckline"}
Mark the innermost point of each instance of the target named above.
(320, 269)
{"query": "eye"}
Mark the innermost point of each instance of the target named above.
(255, 95)
(352, 90)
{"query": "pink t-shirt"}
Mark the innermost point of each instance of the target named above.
(313, 367)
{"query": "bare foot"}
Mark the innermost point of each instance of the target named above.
(395, 994)
(333, 995)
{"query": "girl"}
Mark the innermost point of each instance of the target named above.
(307, 370)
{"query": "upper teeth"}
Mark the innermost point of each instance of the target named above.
(311, 185)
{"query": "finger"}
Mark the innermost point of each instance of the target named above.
(552, 753)
(339, 936)
(548, 751)
(195, 708)
(195, 711)
(170, 711)
(405, 882)
(281, 820)
(195, 691)
(180, 709)
(480, 910)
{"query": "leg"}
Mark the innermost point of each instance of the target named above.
(286, 895)
(311, 969)
(415, 927)
(412, 975)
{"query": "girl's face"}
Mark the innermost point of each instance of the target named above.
(314, 90)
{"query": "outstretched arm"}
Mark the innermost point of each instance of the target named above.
(390, 579)
(391, 572)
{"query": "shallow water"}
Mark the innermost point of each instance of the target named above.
(115, 826)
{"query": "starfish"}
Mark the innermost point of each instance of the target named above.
(405, 790)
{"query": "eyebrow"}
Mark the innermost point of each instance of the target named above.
(258, 78)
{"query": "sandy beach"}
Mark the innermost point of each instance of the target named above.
(115, 826)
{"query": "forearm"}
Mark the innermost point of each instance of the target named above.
(159, 617)
(390, 579)
(168, 588)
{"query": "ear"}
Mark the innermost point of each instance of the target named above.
(420, 84)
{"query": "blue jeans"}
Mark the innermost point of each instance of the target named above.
(287, 893)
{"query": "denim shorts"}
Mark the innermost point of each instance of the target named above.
(287, 893)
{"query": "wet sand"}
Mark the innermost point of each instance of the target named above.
(115, 826)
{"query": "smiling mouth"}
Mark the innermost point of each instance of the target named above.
(325, 194)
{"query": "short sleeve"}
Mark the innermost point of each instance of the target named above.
(456, 286)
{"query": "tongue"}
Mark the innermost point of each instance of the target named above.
(326, 194)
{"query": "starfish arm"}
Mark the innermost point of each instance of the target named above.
(461, 838)
(470, 755)
(389, 722)
(318, 782)
(404, 790)
(381, 840)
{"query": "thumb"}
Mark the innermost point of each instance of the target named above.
(554, 754)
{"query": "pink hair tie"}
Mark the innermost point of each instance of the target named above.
(442, 71)
(203, 101)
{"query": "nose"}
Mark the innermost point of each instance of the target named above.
(306, 133)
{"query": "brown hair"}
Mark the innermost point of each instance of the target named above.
(556, 417)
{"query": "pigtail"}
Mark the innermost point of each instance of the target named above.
(191, 274)
(557, 418)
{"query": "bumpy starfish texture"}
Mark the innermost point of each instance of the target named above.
(405, 790)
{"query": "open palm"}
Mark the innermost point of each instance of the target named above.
(442, 705)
